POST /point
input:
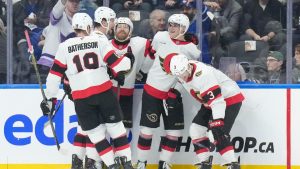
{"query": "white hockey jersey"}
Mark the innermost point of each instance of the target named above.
(59, 30)
(159, 80)
(140, 49)
(212, 88)
(84, 60)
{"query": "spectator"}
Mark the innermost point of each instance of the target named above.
(276, 69)
(263, 21)
(296, 69)
(156, 22)
(3, 56)
(189, 9)
(228, 13)
(59, 29)
(32, 15)
(142, 5)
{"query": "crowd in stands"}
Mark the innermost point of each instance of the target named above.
(253, 32)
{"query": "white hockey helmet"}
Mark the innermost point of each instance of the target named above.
(104, 12)
(179, 64)
(124, 20)
(180, 19)
(82, 21)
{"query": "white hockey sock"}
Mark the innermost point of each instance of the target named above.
(229, 156)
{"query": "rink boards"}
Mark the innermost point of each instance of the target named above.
(265, 135)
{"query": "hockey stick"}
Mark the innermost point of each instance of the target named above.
(34, 63)
(56, 110)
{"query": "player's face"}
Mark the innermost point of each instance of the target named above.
(111, 26)
(122, 31)
(297, 57)
(72, 6)
(184, 76)
(174, 30)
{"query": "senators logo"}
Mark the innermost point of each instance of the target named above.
(197, 74)
(152, 117)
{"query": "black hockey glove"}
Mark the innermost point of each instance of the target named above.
(110, 73)
(48, 106)
(174, 99)
(219, 133)
(67, 88)
(120, 78)
(130, 55)
(141, 77)
(190, 37)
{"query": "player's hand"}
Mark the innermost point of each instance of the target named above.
(109, 72)
(48, 106)
(174, 99)
(141, 77)
(67, 88)
(120, 77)
(130, 55)
(217, 128)
(190, 37)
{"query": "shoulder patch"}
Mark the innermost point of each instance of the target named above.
(197, 74)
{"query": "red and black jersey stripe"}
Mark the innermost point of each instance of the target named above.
(211, 94)
(58, 68)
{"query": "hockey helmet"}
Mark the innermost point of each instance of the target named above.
(82, 21)
(179, 64)
(180, 19)
(104, 13)
(124, 20)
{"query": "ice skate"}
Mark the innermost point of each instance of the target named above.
(205, 164)
(141, 165)
(164, 165)
(76, 162)
(92, 164)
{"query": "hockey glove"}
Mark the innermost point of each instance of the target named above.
(190, 37)
(48, 106)
(67, 88)
(120, 78)
(141, 77)
(130, 55)
(174, 99)
(110, 73)
(219, 133)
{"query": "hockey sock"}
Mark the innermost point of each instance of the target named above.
(168, 147)
(228, 154)
(104, 149)
(144, 146)
(80, 145)
(122, 147)
(201, 148)
(91, 151)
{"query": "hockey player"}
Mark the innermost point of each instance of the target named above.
(103, 27)
(141, 49)
(83, 59)
(221, 100)
(157, 93)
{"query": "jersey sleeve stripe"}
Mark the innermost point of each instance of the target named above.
(211, 94)
(60, 64)
(108, 56)
(116, 62)
(147, 48)
(56, 73)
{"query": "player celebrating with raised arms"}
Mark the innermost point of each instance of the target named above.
(221, 100)
(158, 98)
(84, 59)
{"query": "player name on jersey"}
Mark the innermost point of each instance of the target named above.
(82, 46)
